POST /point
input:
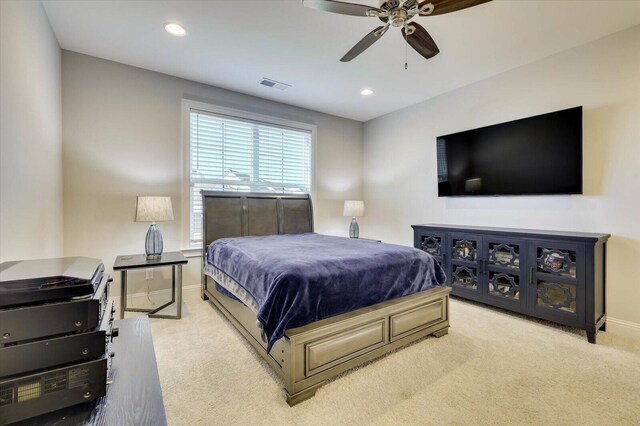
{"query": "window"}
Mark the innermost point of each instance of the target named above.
(443, 170)
(229, 153)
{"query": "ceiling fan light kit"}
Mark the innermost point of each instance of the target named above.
(395, 13)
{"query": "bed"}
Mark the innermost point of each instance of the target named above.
(307, 356)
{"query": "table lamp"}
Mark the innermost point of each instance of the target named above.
(354, 209)
(153, 209)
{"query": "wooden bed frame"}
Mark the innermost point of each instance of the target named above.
(307, 357)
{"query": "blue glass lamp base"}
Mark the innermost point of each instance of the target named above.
(354, 229)
(153, 243)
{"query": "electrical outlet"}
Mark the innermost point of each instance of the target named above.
(148, 274)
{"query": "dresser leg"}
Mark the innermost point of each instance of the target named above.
(591, 337)
(603, 327)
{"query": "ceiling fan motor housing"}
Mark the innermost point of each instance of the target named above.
(392, 4)
(399, 12)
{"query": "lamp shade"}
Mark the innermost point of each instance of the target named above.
(353, 208)
(153, 209)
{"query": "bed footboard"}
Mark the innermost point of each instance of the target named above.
(307, 357)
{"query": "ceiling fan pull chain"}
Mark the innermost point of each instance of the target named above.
(406, 46)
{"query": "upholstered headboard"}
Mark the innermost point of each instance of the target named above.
(238, 214)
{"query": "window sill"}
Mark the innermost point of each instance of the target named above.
(192, 252)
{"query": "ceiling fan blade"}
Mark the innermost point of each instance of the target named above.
(447, 6)
(421, 41)
(364, 44)
(340, 7)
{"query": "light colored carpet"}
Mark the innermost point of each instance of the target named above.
(492, 368)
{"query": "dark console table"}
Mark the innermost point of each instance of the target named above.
(553, 275)
(134, 396)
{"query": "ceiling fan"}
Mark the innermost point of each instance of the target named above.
(395, 13)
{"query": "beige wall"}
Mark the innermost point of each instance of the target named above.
(604, 77)
(30, 134)
(122, 137)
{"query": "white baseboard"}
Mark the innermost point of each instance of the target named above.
(628, 328)
(614, 325)
(192, 287)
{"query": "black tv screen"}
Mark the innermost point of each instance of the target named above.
(532, 156)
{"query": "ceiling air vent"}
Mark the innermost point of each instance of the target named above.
(275, 84)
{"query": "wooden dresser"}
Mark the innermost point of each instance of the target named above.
(553, 275)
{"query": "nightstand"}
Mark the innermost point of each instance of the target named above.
(137, 261)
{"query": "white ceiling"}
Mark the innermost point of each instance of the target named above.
(234, 44)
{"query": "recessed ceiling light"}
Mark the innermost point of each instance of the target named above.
(366, 92)
(175, 29)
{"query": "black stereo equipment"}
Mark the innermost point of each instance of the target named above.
(22, 323)
(49, 352)
(46, 280)
(55, 334)
(37, 393)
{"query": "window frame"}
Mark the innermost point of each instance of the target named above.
(187, 106)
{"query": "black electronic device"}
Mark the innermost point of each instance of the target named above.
(532, 156)
(55, 335)
(26, 396)
(24, 323)
(28, 282)
(65, 349)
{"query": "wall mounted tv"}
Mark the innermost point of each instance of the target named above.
(532, 156)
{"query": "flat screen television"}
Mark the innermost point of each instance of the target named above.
(533, 156)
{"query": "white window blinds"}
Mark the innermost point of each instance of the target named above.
(443, 169)
(235, 154)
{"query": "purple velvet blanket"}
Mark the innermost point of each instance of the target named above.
(297, 279)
